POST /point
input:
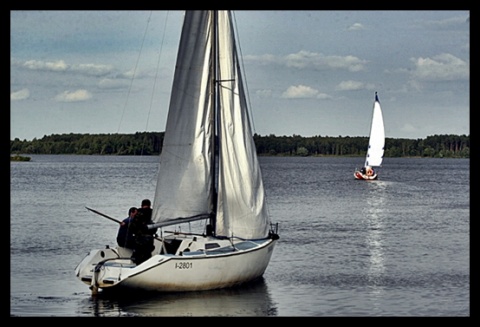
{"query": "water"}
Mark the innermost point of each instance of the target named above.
(398, 246)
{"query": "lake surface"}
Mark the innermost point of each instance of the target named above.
(397, 246)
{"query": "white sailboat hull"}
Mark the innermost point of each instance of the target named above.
(208, 169)
(194, 270)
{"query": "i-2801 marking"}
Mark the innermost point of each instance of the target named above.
(183, 265)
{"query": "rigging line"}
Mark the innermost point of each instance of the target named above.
(155, 80)
(134, 72)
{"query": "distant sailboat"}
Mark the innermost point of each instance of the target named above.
(376, 145)
(209, 172)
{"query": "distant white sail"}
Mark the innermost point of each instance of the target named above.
(376, 143)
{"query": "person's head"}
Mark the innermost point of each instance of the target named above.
(146, 203)
(132, 210)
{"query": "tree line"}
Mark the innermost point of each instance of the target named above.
(150, 143)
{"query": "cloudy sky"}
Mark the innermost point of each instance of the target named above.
(308, 72)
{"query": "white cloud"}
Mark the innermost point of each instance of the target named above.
(136, 74)
(108, 83)
(443, 67)
(74, 96)
(312, 60)
(356, 27)
(450, 23)
(56, 66)
(62, 66)
(92, 69)
(302, 91)
(353, 86)
(20, 95)
(264, 93)
(306, 59)
(323, 96)
(265, 59)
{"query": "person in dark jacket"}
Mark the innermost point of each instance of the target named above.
(144, 237)
(125, 237)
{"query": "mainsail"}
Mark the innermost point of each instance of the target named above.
(185, 187)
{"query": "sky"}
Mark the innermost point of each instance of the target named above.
(309, 73)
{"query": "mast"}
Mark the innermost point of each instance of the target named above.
(215, 119)
(370, 135)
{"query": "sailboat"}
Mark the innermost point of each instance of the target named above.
(376, 145)
(208, 172)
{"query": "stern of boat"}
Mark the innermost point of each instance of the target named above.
(89, 269)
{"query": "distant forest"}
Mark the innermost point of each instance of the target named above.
(150, 143)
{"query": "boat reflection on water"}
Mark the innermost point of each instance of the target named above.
(375, 217)
(252, 299)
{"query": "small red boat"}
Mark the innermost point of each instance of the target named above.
(367, 173)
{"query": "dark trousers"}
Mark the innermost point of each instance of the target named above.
(143, 248)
